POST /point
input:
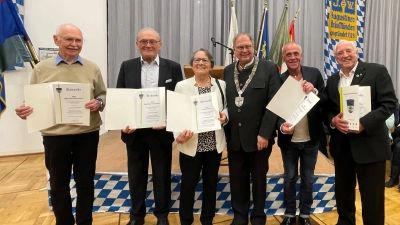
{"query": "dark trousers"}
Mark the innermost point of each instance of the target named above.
(148, 142)
(307, 153)
(395, 162)
(78, 151)
(208, 163)
(243, 166)
(371, 182)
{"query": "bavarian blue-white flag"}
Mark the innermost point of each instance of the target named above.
(263, 42)
(344, 21)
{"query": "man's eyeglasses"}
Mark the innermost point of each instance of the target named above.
(197, 60)
(71, 40)
(145, 42)
(242, 48)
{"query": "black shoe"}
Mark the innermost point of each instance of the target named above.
(304, 221)
(163, 221)
(136, 222)
(392, 182)
(288, 221)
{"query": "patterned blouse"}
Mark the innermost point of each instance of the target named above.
(206, 141)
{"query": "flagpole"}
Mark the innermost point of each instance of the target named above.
(297, 14)
(31, 49)
(261, 26)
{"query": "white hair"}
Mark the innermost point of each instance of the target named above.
(353, 44)
(149, 29)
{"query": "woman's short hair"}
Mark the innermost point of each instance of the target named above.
(208, 54)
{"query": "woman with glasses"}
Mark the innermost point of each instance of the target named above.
(202, 151)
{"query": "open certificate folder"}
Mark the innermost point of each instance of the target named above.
(355, 102)
(57, 103)
(291, 103)
(198, 113)
(136, 108)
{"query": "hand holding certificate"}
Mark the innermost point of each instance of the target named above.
(198, 113)
(292, 109)
(57, 103)
(355, 102)
(136, 108)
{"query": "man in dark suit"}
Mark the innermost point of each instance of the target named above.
(149, 71)
(360, 156)
(250, 85)
(301, 141)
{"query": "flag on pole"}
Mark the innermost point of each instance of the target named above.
(263, 42)
(281, 37)
(12, 47)
(352, 14)
(233, 30)
(292, 36)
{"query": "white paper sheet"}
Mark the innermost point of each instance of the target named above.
(197, 113)
(136, 108)
(69, 103)
(291, 103)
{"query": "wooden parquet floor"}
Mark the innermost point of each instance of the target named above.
(23, 197)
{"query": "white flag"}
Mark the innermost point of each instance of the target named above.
(233, 30)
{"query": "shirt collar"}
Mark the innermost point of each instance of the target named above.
(156, 60)
(351, 74)
(61, 60)
(247, 65)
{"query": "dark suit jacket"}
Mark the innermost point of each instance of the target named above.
(371, 145)
(129, 76)
(252, 118)
(316, 130)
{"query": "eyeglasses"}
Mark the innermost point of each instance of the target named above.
(145, 42)
(71, 40)
(242, 48)
(197, 60)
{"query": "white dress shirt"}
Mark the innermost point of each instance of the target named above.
(150, 73)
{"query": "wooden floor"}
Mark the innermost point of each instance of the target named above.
(23, 197)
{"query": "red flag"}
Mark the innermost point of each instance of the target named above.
(291, 31)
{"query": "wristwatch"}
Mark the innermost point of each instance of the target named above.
(101, 102)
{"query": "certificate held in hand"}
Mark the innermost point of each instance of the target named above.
(136, 108)
(198, 113)
(57, 103)
(355, 102)
(291, 103)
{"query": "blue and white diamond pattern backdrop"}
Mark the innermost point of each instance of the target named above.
(330, 65)
(112, 194)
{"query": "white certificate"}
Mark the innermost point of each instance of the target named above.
(198, 113)
(355, 102)
(148, 109)
(291, 103)
(364, 100)
(41, 98)
(136, 108)
(69, 103)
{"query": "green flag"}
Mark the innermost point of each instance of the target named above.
(281, 37)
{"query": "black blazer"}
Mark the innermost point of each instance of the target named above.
(315, 127)
(252, 118)
(372, 144)
(129, 76)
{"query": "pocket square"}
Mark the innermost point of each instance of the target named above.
(168, 81)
